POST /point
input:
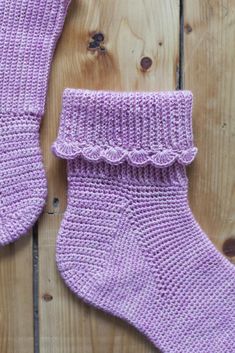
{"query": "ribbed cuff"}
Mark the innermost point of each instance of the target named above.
(139, 127)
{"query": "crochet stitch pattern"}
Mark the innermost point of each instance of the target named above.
(128, 243)
(29, 30)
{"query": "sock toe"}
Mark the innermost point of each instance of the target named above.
(23, 186)
(14, 225)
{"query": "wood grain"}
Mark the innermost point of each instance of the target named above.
(209, 73)
(133, 29)
(16, 297)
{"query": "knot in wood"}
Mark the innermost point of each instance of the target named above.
(146, 63)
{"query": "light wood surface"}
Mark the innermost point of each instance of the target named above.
(209, 71)
(16, 297)
(132, 29)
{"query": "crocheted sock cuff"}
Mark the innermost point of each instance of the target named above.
(138, 127)
(174, 175)
(28, 34)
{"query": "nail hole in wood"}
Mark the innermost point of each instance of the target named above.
(56, 202)
(47, 297)
(102, 49)
(98, 37)
(188, 28)
(229, 247)
(146, 63)
(93, 45)
(96, 43)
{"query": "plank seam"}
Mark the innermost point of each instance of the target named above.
(180, 82)
(35, 289)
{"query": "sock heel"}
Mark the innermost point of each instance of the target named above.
(88, 230)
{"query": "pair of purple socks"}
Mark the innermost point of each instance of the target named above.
(128, 243)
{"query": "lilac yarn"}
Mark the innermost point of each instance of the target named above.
(29, 30)
(128, 243)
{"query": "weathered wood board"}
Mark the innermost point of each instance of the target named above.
(189, 43)
(16, 297)
(209, 71)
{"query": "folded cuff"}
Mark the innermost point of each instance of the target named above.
(138, 127)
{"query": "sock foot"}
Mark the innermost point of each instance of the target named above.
(23, 186)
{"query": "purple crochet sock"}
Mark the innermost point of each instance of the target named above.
(29, 30)
(128, 243)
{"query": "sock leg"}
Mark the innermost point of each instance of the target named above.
(28, 34)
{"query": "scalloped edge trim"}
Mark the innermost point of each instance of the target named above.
(117, 155)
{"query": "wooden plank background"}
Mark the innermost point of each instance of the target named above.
(191, 46)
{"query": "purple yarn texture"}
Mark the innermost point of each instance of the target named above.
(160, 134)
(128, 243)
(29, 30)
